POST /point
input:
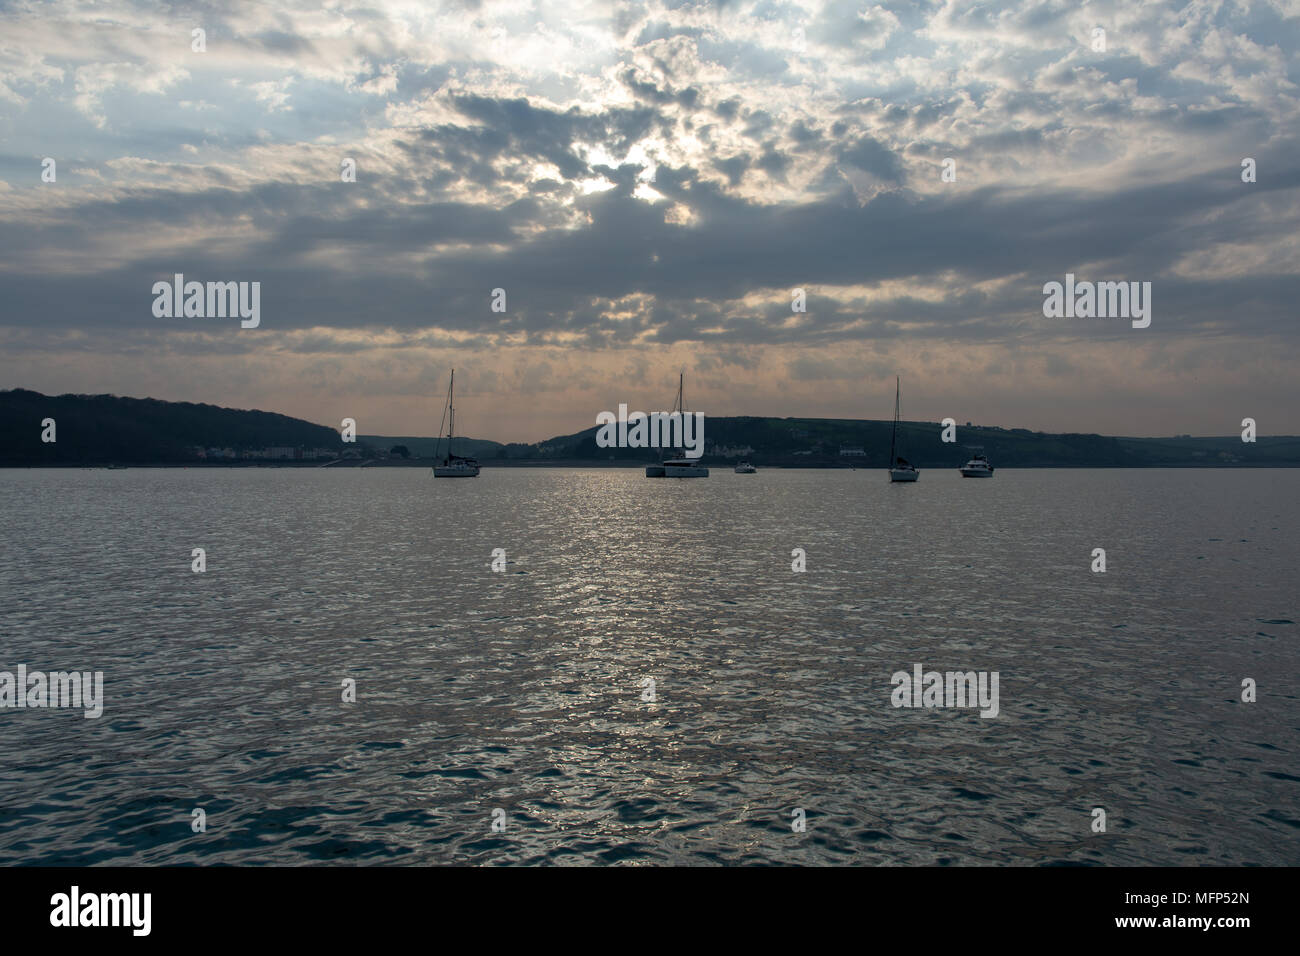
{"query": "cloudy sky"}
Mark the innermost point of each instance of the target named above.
(649, 182)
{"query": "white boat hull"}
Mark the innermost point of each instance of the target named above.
(745, 469)
(453, 471)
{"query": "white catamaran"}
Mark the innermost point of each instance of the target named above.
(678, 466)
(900, 469)
(453, 466)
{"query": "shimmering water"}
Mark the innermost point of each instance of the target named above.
(522, 691)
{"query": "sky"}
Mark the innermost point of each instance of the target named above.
(649, 183)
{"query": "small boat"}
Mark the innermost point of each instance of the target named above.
(977, 467)
(903, 470)
(453, 466)
(900, 469)
(456, 467)
(678, 466)
(745, 468)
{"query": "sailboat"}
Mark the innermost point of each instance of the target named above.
(678, 466)
(900, 469)
(454, 466)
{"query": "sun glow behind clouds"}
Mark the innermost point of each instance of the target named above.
(646, 192)
(597, 185)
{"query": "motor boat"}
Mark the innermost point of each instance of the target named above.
(977, 467)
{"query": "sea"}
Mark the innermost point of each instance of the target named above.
(589, 667)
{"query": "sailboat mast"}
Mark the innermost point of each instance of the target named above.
(681, 408)
(893, 438)
(451, 408)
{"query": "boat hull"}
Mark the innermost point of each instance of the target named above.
(677, 468)
(977, 472)
(441, 471)
(903, 474)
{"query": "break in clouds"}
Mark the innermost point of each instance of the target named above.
(649, 184)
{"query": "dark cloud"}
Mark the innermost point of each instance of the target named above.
(564, 279)
(873, 156)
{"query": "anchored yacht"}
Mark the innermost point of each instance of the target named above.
(679, 466)
(900, 469)
(977, 467)
(454, 466)
(903, 470)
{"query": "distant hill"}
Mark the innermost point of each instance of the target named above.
(428, 447)
(106, 428)
(819, 442)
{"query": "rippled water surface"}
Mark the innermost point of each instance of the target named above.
(523, 691)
